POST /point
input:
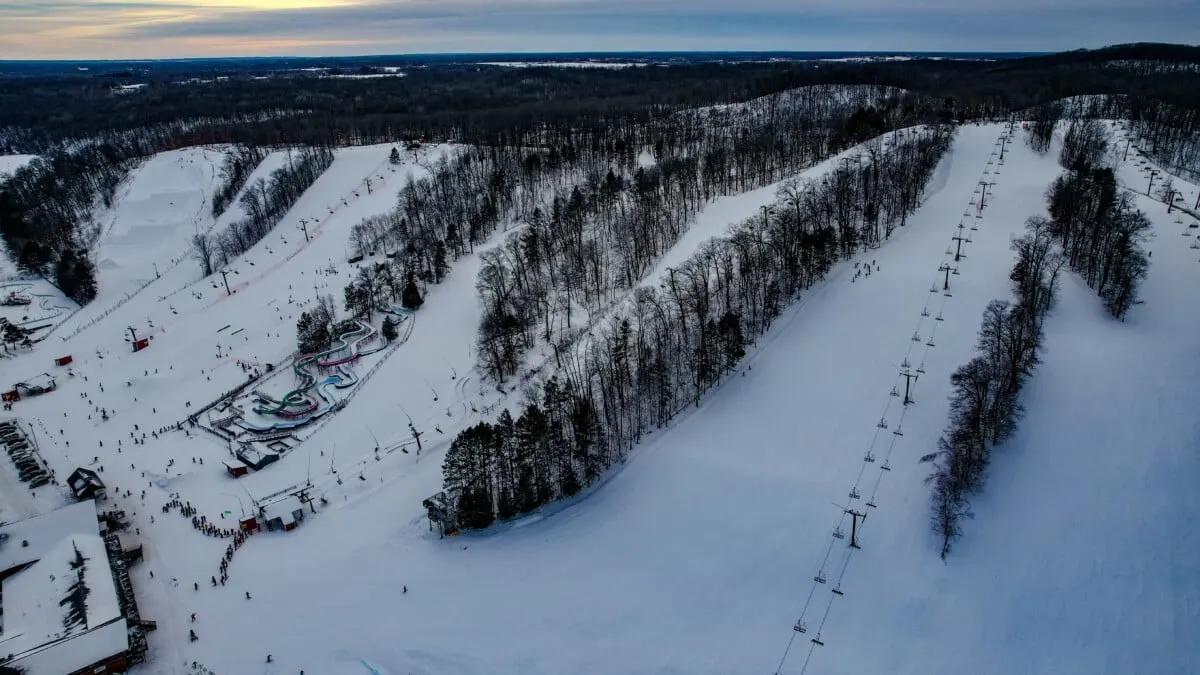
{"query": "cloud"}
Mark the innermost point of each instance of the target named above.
(142, 28)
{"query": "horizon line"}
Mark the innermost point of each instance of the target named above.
(880, 52)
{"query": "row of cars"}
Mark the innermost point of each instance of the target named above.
(30, 467)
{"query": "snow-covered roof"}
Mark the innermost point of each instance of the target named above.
(51, 605)
(76, 651)
(25, 541)
(283, 509)
(44, 381)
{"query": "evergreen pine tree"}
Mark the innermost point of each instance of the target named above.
(733, 345)
(440, 267)
(390, 332)
(411, 297)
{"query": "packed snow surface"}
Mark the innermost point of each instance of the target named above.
(10, 163)
(699, 554)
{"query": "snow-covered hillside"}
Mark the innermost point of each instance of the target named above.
(10, 163)
(699, 554)
(158, 208)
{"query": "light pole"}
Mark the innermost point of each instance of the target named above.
(241, 506)
(304, 229)
(225, 278)
(1153, 173)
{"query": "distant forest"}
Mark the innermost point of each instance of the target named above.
(468, 101)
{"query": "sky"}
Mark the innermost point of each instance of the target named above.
(84, 29)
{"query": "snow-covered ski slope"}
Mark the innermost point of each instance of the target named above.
(698, 555)
(159, 206)
(9, 164)
(1075, 561)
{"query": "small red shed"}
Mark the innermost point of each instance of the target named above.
(236, 468)
(63, 360)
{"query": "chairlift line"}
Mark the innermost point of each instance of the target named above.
(869, 457)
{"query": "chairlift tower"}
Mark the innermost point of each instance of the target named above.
(854, 517)
(958, 240)
(909, 378)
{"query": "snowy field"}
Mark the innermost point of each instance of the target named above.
(699, 554)
(10, 163)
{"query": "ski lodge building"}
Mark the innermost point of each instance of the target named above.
(66, 604)
(86, 484)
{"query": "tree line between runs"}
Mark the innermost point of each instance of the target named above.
(662, 348)
(264, 202)
(1095, 231)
